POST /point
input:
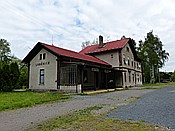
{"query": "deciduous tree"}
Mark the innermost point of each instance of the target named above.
(89, 43)
(4, 50)
(153, 56)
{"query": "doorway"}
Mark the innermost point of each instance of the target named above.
(96, 80)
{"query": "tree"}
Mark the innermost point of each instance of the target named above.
(153, 57)
(14, 74)
(85, 44)
(173, 76)
(88, 43)
(23, 70)
(23, 79)
(4, 50)
(9, 75)
(5, 83)
(123, 37)
(9, 67)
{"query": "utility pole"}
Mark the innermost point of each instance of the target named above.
(52, 39)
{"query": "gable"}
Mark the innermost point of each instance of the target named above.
(37, 48)
(127, 52)
(43, 57)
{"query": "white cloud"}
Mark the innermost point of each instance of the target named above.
(71, 22)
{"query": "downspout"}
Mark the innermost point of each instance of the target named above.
(82, 81)
(106, 81)
(28, 65)
(58, 72)
(122, 79)
(81, 77)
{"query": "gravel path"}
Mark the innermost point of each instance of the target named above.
(22, 119)
(157, 107)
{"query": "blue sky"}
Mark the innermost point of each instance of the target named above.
(25, 22)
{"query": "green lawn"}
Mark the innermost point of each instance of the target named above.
(14, 100)
(85, 120)
(160, 84)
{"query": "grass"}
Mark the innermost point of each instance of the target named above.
(84, 120)
(14, 100)
(158, 85)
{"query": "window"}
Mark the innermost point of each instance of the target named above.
(41, 80)
(68, 75)
(137, 77)
(40, 57)
(127, 49)
(128, 61)
(44, 56)
(124, 61)
(129, 75)
(133, 77)
(140, 78)
(125, 76)
(120, 58)
(112, 55)
(139, 65)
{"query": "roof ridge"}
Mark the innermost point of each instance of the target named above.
(116, 40)
(107, 42)
(116, 44)
(58, 47)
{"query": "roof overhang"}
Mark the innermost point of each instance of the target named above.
(40, 46)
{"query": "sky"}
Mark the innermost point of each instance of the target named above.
(68, 23)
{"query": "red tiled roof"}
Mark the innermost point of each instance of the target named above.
(107, 46)
(73, 54)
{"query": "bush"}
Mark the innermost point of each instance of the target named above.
(9, 75)
(23, 79)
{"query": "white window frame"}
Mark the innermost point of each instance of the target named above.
(42, 76)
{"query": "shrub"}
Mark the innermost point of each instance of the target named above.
(9, 75)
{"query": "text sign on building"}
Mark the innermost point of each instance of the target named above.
(107, 71)
(43, 63)
(95, 69)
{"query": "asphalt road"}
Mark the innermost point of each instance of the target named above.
(157, 107)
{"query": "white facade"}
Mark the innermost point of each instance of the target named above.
(49, 65)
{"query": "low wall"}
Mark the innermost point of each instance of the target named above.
(74, 88)
(62, 88)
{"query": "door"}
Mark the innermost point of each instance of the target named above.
(96, 80)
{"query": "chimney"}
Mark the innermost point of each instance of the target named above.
(101, 44)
